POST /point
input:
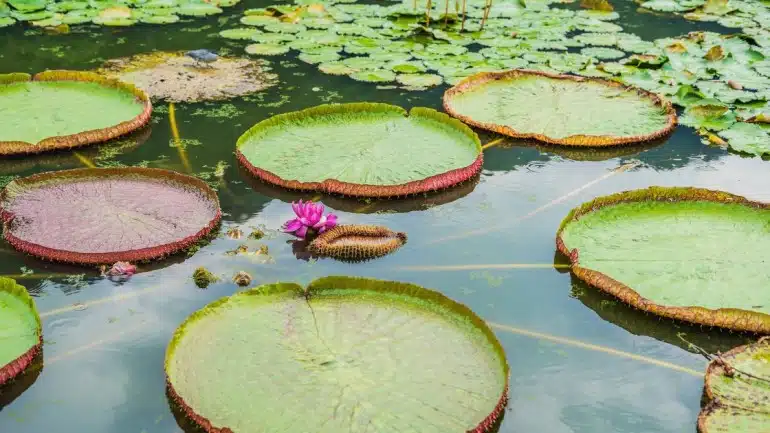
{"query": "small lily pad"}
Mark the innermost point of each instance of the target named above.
(266, 49)
(419, 80)
(748, 138)
(239, 33)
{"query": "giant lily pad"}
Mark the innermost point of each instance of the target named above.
(98, 216)
(172, 76)
(63, 109)
(21, 335)
(738, 402)
(560, 109)
(358, 353)
(361, 149)
(684, 253)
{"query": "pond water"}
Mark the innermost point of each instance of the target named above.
(580, 361)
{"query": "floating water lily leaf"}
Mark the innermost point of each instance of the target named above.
(672, 5)
(65, 109)
(710, 114)
(357, 242)
(198, 9)
(172, 76)
(84, 216)
(569, 110)
(21, 333)
(259, 20)
(28, 5)
(322, 57)
(159, 19)
(748, 138)
(240, 33)
(672, 252)
(266, 49)
(353, 343)
(602, 53)
(738, 402)
(373, 150)
(420, 80)
(374, 76)
(6, 21)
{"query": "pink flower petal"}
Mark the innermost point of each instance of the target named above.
(292, 225)
(301, 232)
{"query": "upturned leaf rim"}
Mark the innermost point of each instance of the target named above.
(336, 283)
(18, 186)
(332, 186)
(83, 138)
(469, 84)
(16, 367)
(714, 368)
(735, 319)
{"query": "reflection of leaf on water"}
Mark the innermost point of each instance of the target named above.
(491, 280)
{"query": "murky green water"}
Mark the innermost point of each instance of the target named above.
(103, 368)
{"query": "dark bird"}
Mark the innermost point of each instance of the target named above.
(202, 56)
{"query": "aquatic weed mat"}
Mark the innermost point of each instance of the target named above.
(21, 334)
(106, 215)
(65, 109)
(361, 149)
(560, 109)
(738, 391)
(689, 254)
(355, 353)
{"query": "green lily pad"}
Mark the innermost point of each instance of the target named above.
(409, 67)
(259, 20)
(20, 330)
(266, 49)
(31, 16)
(273, 38)
(672, 252)
(347, 341)
(602, 53)
(62, 109)
(336, 68)
(7, 21)
(239, 33)
(374, 76)
(28, 5)
(198, 9)
(419, 80)
(597, 39)
(281, 27)
(748, 138)
(578, 111)
(708, 113)
(672, 5)
(737, 402)
(159, 19)
(367, 150)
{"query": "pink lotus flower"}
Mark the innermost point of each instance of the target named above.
(122, 269)
(310, 220)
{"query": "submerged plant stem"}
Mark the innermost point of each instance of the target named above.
(85, 161)
(462, 25)
(492, 143)
(484, 266)
(427, 13)
(177, 140)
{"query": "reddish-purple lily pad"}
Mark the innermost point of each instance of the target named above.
(97, 216)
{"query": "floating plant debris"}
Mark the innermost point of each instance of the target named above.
(352, 344)
(203, 277)
(683, 253)
(737, 391)
(357, 242)
(242, 279)
(65, 109)
(560, 109)
(361, 149)
(172, 76)
(102, 216)
(20, 330)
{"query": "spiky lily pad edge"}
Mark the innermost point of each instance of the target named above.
(138, 255)
(336, 283)
(332, 186)
(714, 368)
(729, 318)
(481, 78)
(391, 241)
(20, 364)
(81, 138)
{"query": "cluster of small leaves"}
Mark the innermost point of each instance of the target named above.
(53, 13)
(729, 13)
(722, 82)
(397, 43)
